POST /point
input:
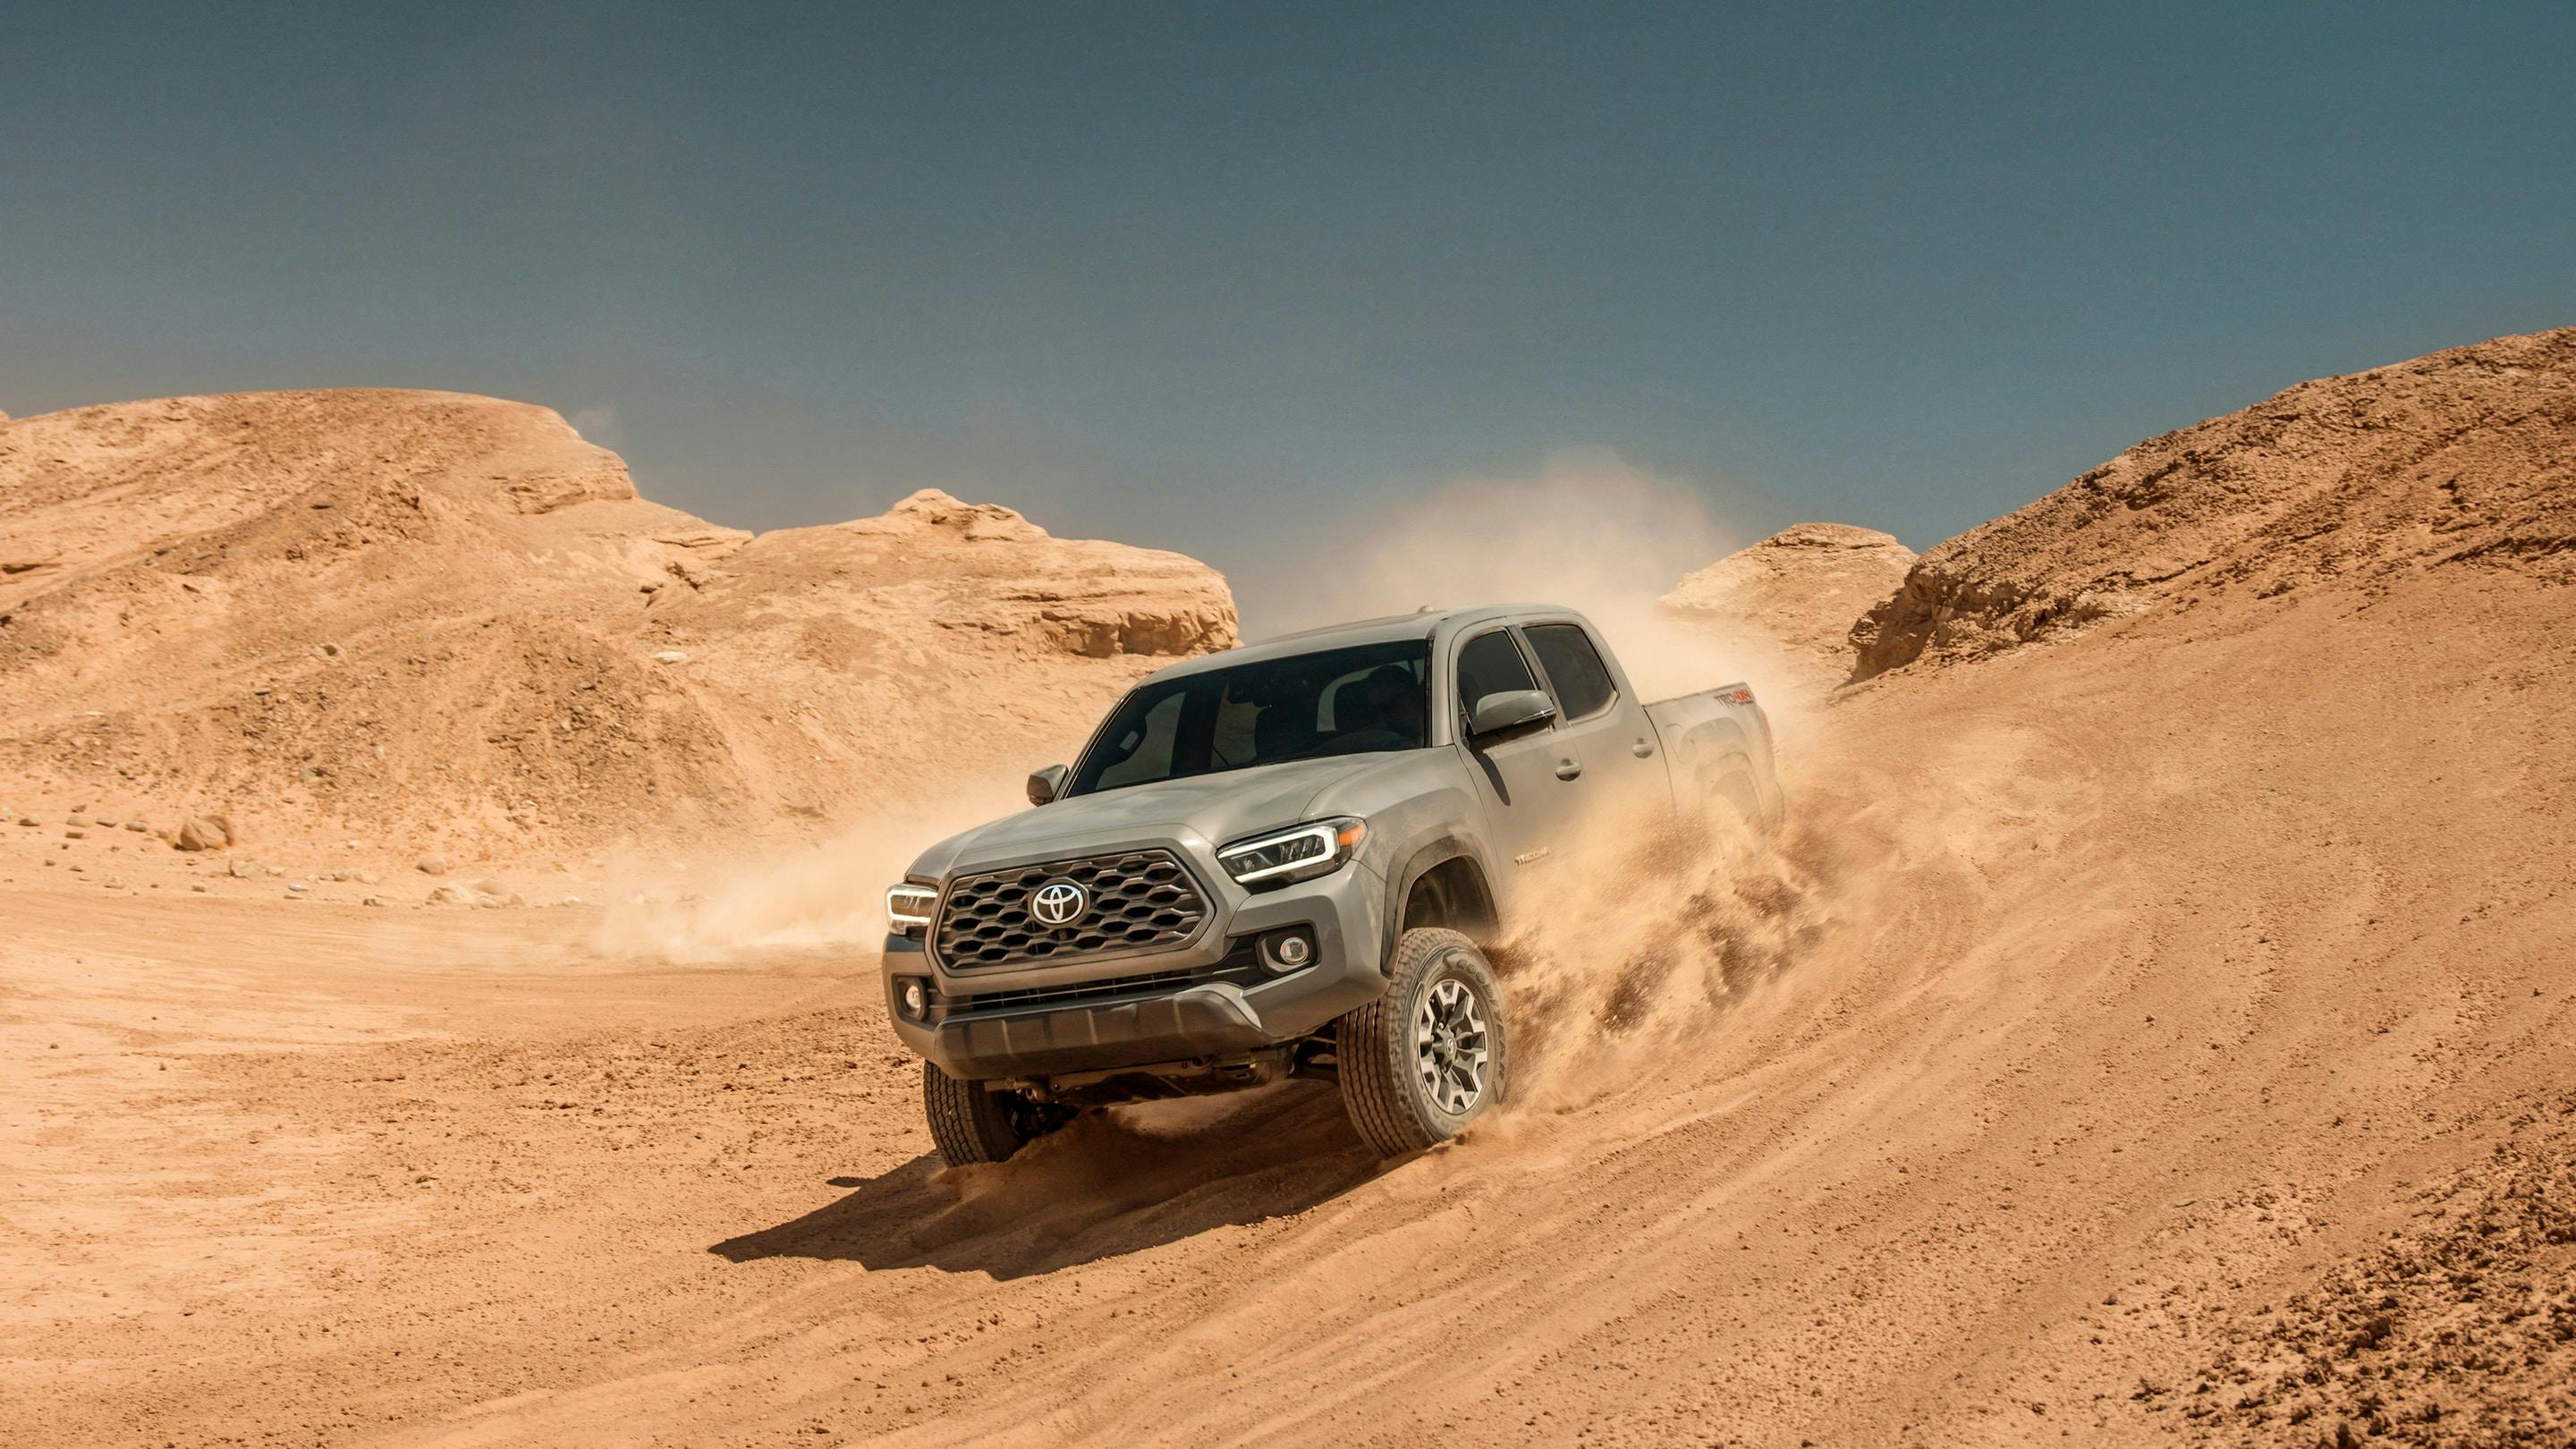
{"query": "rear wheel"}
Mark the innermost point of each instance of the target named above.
(971, 1123)
(1731, 789)
(1428, 1057)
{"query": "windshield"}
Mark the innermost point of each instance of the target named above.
(1334, 702)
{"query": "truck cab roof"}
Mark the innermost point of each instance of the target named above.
(1428, 624)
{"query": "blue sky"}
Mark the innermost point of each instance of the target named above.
(1246, 280)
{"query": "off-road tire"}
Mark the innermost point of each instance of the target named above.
(1380, 1057)
(970, 1123)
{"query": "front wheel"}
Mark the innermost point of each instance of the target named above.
(1428, 1057)
(972, 1123)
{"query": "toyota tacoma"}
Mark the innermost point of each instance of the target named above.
(1289, 859)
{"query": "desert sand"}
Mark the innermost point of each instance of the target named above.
(2157, 1021)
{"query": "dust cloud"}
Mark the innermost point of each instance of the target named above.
(828, 893)
(1650, 932)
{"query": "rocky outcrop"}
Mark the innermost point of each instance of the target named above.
(2463, 458)
(1788, 602)
(448, 620)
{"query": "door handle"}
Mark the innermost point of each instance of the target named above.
(1642, 750)
(1567, 769)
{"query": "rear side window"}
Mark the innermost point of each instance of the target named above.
(1582, 681)
(1489, 664)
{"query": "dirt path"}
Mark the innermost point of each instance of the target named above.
(2125, 1010)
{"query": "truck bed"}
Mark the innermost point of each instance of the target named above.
(1707, 733)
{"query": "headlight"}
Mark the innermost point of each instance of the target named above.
(908, 907)
(1301, 852)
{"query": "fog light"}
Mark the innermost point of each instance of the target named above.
(915, 1001)
(1287, 950)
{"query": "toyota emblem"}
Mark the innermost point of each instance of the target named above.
(1059, 903)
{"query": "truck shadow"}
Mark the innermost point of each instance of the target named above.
(1110, 1184)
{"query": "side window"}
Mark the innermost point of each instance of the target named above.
(1582, 681)
(1146, 752)
(1489, 664)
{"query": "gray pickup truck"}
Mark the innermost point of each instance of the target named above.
(1286, 860)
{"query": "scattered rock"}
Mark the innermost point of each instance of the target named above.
(241, 869)
(433, 865)
(670, 656)
(138, 827)
(203, 832)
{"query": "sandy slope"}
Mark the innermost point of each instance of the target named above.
(2165, 1030)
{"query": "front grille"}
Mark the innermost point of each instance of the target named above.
(1139, 901)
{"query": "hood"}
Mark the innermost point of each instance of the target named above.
(1215, 808)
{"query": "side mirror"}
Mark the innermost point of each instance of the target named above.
(1512, 709)
(1046, 784)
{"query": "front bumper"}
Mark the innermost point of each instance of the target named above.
(1210, 999)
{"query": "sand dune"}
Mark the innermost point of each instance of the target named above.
(2157, 1021)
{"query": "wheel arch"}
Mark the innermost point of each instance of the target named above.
(1442, 883)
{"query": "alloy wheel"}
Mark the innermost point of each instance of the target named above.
(1449, 1046)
